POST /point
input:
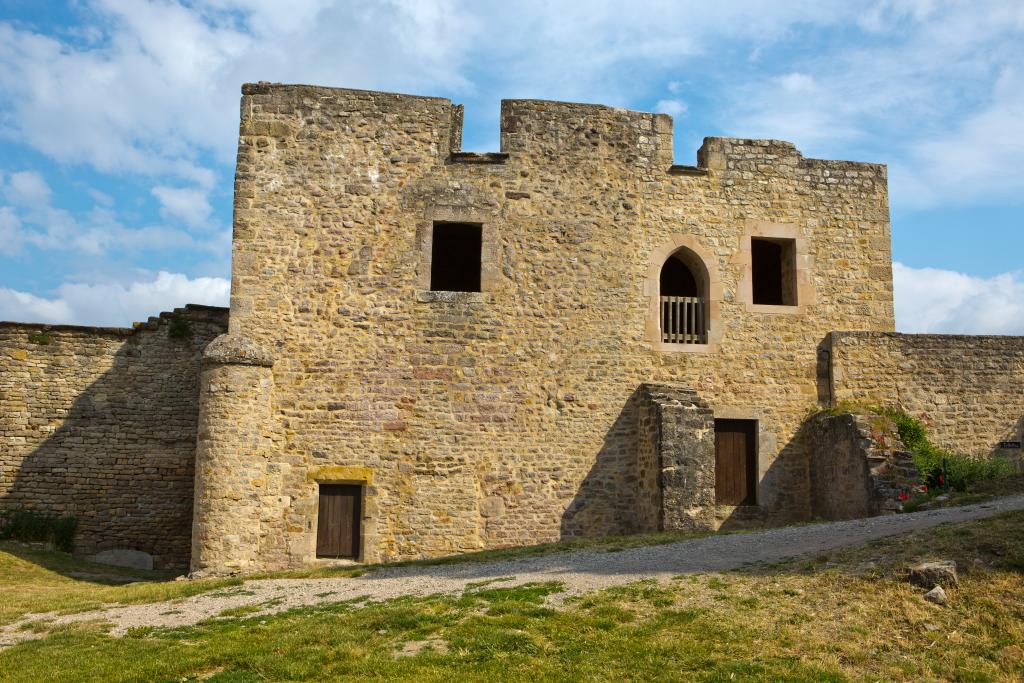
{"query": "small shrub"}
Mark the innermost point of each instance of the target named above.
(941, 469)
(32, 526)
(41, 337)
(963, 473)
(179, 328)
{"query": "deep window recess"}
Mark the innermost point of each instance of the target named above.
(677, 279)
(773, 271)
(736, 462)
(683, 300)
(455, 257)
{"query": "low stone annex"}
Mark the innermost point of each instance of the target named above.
(430, 351)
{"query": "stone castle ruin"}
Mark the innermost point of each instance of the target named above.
(430, 351)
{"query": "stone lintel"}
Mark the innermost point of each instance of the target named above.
(340, 474)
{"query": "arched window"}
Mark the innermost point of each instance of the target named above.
(683, 296)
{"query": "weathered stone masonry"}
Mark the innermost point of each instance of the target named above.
(550, 403)
(509, 416)
(100, 423)
(968, 390)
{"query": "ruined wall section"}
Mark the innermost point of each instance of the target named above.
(966, 389)
(859, 466)
(100, 423)
(678, 443)
(509, 416)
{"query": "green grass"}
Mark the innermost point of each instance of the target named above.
(840, 616)
(975, 493)
(39, 580)
(33, 579)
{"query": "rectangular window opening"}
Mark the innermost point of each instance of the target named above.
(338, 523)
(455, 257)
(736, 462)
(773, 271)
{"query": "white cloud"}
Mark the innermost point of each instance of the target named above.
(797, 82)
(27, 188)
(982, 155)
(10, 231)
(31, 220)
(944, 301)
(113, 303)
(162, 86)
(937, 94)
(674, 108)
(188, 204)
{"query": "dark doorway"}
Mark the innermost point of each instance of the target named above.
(337, 525)
(773, 271)
(455, 257)
(736, 462)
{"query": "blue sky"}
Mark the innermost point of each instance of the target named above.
(119, 119)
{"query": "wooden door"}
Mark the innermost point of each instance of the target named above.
(337, 527)
(735, 462)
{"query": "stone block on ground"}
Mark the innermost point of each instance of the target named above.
(133, 559)
(929, 574)
(936, 595)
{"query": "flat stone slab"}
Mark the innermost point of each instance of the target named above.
(133, 559)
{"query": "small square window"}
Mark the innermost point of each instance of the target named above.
(455, 257)
(773, 271)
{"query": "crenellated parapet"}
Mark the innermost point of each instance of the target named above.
(412, 128)
(502, 410)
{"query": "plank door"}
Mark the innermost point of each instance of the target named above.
(337, 526)
(735, 462)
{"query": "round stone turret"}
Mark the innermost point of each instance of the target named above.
(233, 448)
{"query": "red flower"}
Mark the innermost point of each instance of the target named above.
(942, 479)
(903, 496)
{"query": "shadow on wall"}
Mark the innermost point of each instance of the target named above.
(783, 492)
(621, 493)
(606, 500)
(119, 452)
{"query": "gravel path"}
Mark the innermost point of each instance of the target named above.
(580, 571)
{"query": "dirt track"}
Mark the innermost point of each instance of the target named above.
(580, 571)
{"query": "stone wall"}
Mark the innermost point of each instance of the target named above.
(966, 389)
(508, 416)
(100, 423)
(859, 466)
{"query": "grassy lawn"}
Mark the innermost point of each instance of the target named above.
(36, 580)
(33, 579)
(847, 615)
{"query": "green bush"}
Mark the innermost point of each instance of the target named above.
(963, 472)
(42, 338)
(179, 328)
(939, 468)
(32, 526)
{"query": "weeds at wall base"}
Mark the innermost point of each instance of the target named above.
(37, 527)
(941, 470)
